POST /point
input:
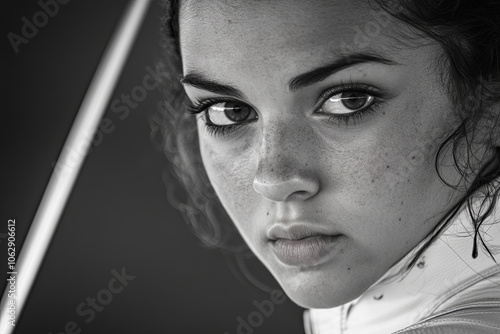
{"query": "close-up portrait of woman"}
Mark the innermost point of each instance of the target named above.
(251, 166)
(355, 146)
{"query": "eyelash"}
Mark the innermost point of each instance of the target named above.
(356, 116)
(214, 130)
(199, 107)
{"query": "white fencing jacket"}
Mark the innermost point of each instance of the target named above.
(446, 292)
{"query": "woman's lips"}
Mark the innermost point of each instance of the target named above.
(299, 246)
(304, 252)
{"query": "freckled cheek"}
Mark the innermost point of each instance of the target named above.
(391, 167)
(231, 174)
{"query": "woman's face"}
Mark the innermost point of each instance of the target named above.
(323, 128)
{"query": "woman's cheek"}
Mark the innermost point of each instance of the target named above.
(231, 173)
(389, 169)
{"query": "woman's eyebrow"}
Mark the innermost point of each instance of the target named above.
(321, 73)
(199, 80)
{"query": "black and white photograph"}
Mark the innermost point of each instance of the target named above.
(250, 167)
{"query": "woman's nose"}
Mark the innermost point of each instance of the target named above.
(285, 167)
(293, 189)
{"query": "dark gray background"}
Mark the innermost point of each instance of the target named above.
(118, 215)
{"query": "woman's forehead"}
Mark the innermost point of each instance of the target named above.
(282, 37)
(292, 23)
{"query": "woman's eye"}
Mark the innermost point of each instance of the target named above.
(347, 102)
(229, 113)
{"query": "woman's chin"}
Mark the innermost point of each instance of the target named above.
(319, 297)
(321, 290)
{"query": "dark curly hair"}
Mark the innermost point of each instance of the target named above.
(469, 33)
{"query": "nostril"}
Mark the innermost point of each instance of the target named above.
(301, 193)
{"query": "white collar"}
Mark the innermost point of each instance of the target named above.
(445, 269)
